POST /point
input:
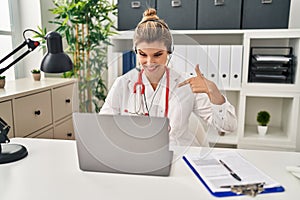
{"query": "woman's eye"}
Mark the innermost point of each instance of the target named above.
(157, 55)
(142, 54)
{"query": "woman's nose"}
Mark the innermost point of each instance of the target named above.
(149, 60)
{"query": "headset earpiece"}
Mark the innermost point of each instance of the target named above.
(170, 51)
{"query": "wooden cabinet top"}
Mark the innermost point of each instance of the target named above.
(26, 86)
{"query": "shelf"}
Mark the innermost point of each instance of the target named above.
(253, 33)
(281, 109)
(275, 139)
(282, 38)
(270, 87)
(273, 133)
(282, 100)
(123, 40)
(229, 138)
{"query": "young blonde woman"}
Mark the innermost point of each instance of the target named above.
(154, 89)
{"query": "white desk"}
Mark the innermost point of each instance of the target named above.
(51, 171)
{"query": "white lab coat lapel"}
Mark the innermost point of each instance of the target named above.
(132, 101)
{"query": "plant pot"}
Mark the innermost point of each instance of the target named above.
(262, 130)
(2, 83)
(36, 77)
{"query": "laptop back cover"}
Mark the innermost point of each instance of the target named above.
(123, 144)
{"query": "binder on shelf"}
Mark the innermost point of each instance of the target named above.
(218, 171)
(129, 61)
(178, 60)
(203, 59)
(192, 59)
(213, 63)
(224, 66)
(196, 54)
(236, 66)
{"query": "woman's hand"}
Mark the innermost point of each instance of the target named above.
(199, 84)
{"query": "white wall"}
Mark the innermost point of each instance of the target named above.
(294, 21)
(27, 14)
(47, 15)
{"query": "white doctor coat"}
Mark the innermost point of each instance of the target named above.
(182, 102)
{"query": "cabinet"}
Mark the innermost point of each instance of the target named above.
(219, 14)
(281, 100)
(6, 115)
(130, 12)
(208, 14)
(168, 10)
(41, 109)
(265, 14)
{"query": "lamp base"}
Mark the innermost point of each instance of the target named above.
(12, 152)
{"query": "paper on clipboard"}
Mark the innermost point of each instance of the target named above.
(215, 176)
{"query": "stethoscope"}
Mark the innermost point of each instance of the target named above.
(139, 85)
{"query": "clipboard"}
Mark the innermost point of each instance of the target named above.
(245, 187)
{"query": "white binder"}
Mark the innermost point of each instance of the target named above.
(196, 54)
(224, 66)
(213, 63)
(203, 59)
(236, 66)
(192, 59)
(178, 60)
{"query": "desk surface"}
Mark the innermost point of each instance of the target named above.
(51, 171)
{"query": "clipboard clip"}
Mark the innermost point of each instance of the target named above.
(247, 189)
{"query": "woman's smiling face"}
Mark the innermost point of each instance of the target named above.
(153, 58)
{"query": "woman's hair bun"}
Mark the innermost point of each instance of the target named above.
(150, 14)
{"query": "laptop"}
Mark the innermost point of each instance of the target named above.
(123, 144)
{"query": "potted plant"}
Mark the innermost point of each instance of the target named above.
(263, 118)
(2, 81)
(36, 73)
(87, 26)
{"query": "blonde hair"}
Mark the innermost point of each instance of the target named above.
(152, 29)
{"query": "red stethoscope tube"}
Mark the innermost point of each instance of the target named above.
(140, 82)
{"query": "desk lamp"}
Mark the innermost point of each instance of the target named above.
(55, 61)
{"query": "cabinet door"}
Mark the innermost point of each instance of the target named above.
(64, 130)
(62, 101)
(259, 14)
(46, 134)
(130, 12)
(32, 113)
(218, 14)
(6, 115)
(178, 14)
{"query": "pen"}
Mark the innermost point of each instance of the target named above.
(230, 170)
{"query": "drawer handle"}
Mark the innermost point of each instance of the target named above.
(37, 112)
(176, 3)
(68, 100)
(219, 2)
(69, 134)
(135, 4)
(266, 1)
